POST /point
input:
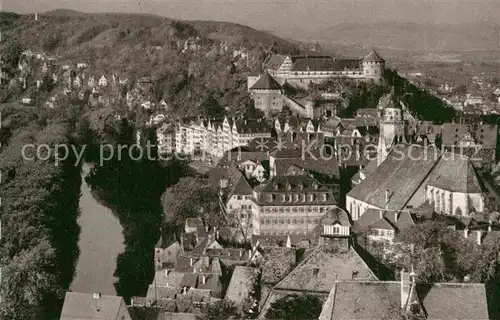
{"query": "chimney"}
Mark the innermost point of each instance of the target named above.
(206, 228)
(479, 237)
(217, 235)
(190, 262)
(466, 233)
(386, 197)
(97, 295)
(490, 223)
(203, 279)
(405, 287)
(395, 216)
(249, 253)
(381, 214)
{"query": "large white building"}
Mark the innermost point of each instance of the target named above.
(198, 136)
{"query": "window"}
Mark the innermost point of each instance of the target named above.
(294, 221)
(281, 221)
(321, 209)
(281, 209)
(288, 221)
(262, 221)
(275, 221)
(301, 221)
(238, 197)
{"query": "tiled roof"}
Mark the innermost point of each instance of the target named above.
(238, 184)
(266, 82)
(455, 173)
(373, 56)
(367, 300)
(458, 301)
(323, 267)
(245, 126)
(400, 175)
(85, 306)
(298, 185)
(391, 220)
(324, 64)
(274, 61)
(484, 134)
(241, 284)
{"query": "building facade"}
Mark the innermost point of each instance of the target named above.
(290, 205)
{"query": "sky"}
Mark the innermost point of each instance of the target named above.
(285, 16)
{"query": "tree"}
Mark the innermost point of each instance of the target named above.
(11, 57)
(221, 310)
(211, 108)
(192, 197)
(304, 307)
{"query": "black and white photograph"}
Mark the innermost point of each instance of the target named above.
(249, 159)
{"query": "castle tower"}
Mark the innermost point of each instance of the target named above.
(267, 95)
(392, 126)
(373, 67)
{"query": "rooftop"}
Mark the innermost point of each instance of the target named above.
(90, 306)
(323, 267)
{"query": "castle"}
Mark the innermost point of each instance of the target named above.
(301, 71)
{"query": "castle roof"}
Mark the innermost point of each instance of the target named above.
(266, 82)
(373, 56)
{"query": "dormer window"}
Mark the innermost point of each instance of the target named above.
(315, 186)
(295, 198)
(300, 186)
(323, 197)
(270, 197)
(310, 197)
(282, 198)
(288, 186)
(275, 186)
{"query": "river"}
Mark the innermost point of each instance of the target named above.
(101, 241)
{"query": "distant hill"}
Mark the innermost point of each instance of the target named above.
(137, 45)
(415, 37)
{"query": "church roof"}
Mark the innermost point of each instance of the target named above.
(400, 174)
(373, 56)
(455, 173)
(266, 82)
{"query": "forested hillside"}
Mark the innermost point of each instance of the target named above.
(189, 62)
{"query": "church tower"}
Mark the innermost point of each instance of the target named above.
(392, 126)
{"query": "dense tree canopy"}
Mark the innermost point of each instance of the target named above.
(440, 254)
(295, 307)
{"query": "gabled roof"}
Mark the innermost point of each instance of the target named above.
(274, 61)
(85, 306)
(266, 82)
(373, 56)
(238, 184)
(455, 173)
(322, 268)
(400, 174)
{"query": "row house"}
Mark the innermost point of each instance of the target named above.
(290, 205)
(210, 137)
